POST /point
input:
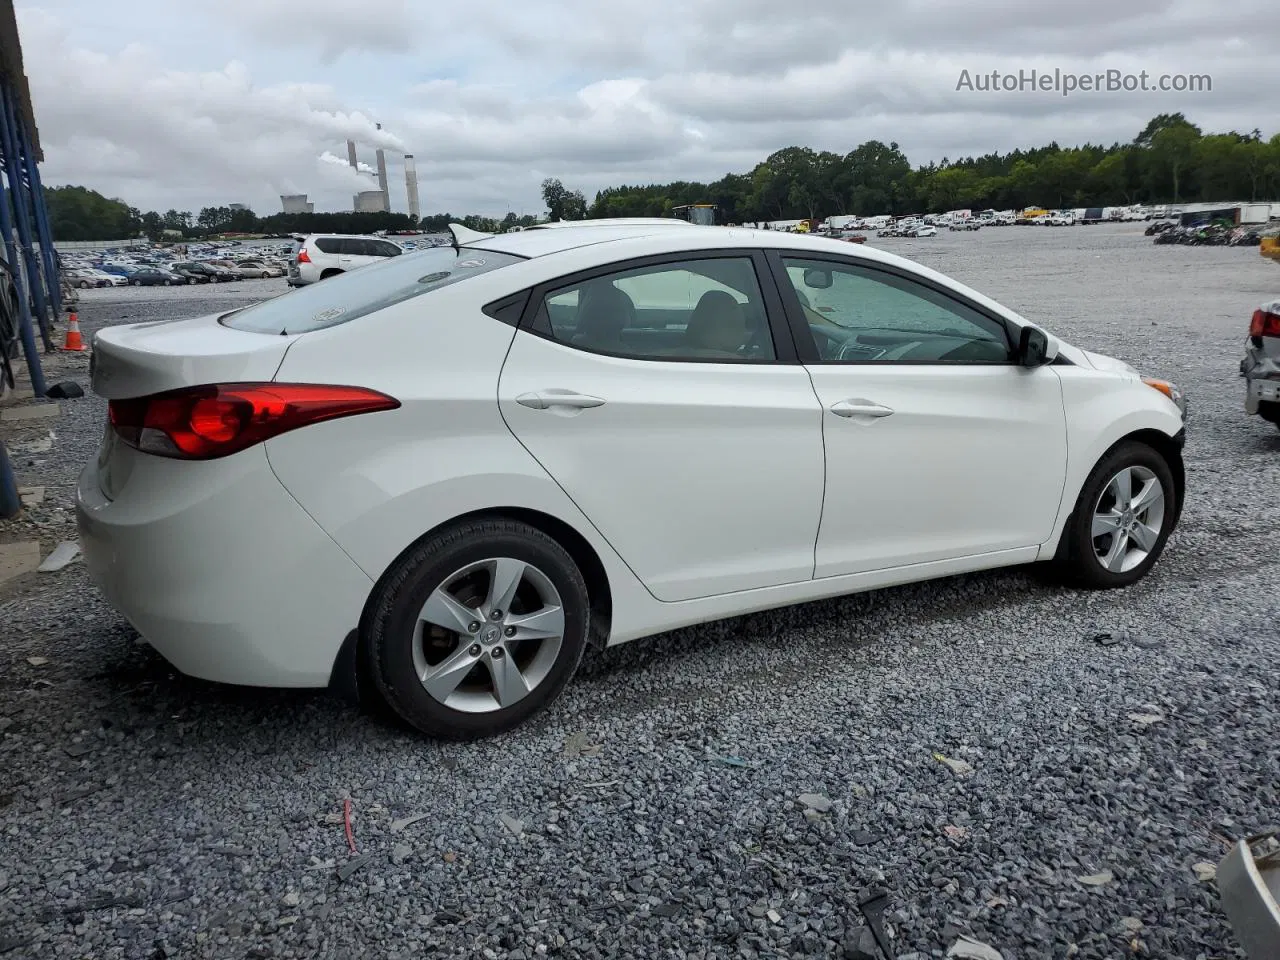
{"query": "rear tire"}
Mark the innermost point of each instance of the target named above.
(1270, 412)
(1122, 519)
(487, 674)
(330, 273)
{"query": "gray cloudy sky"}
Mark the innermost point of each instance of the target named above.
(169, 104)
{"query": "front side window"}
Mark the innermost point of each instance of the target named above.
(702, 309)
(858, 314)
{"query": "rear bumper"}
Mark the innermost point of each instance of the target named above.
(1262, 379)
(221, 570)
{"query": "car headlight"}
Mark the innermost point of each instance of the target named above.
(1170, 390)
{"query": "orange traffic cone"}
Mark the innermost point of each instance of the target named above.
(74, 341)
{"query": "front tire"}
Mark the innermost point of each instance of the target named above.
(478, 629)
(1122, 519)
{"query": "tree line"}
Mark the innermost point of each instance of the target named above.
(78, 213)
(1170, 161)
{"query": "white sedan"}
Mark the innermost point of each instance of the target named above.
(448, 474)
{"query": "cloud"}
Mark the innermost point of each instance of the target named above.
(491, 98)
(332, 27)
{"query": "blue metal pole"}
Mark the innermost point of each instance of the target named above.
(53, 272)
(22, 212)
(25, 325)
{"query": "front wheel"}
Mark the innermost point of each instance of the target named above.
(1122, 520)
(477, 629)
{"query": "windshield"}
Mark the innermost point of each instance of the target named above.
(357, 293)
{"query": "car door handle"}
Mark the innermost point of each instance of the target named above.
(546, 399)
(860, 408)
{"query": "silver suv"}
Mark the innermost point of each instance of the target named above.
(1261, 364)
(322, 255)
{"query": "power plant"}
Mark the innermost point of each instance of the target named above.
(411, 185)
(379, 201)
(369, 201)
(296, 203)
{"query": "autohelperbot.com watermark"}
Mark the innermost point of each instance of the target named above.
(1066, 83)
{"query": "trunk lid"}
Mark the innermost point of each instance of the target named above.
(139, 359)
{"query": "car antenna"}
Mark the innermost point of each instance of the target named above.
(463, 235)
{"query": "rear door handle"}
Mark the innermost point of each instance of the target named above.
(547, 399)
(860, 408)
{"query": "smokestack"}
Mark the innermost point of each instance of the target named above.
(351, 155)
(411, 185)
(382, 180)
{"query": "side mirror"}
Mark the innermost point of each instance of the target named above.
(816, 279)
(1033, 347)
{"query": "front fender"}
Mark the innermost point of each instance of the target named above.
(1102, 409)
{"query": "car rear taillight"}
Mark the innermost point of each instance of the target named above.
(303, 257)
(1264, 324)
(216, 420)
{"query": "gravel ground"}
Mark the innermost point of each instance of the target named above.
(655, 811)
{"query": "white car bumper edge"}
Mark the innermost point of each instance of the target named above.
(235, 585)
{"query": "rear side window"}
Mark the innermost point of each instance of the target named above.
(357, 293)
(330, 244)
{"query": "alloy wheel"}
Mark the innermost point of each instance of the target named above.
(1128, 519)
(488, 635)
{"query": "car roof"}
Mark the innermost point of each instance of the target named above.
(611, 222)
(656, 237)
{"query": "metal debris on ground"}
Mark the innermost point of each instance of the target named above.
(398, 826)
(968, 948)
(815, 801)
(872, 903)
(959, 767)
(63, 554)
(1107, 638)
(513, 825)
(730, 761)
(577, 745)
(1205, 872)
(37, 661)
(1146, 719)
(1097, 879)
(348, 869)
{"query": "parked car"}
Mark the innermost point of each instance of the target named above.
(215, 274)
(85, 278)
(190, 275)
(927, 230)
(154, 277)
(320, 256)
(1261, 364)
(534, 476)
(241, 272)
(260, 269)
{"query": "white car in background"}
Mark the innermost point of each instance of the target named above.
(451, 473)
(324, 255)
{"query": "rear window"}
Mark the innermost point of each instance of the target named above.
(357, 293)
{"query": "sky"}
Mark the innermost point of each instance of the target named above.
(186, 105)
